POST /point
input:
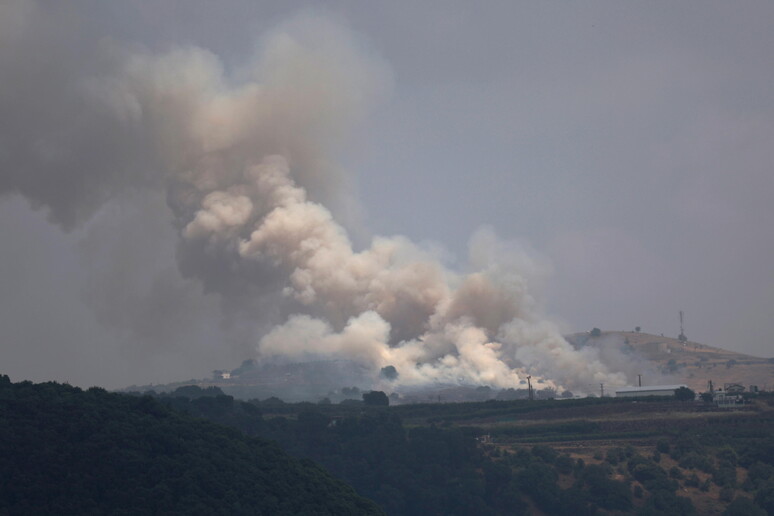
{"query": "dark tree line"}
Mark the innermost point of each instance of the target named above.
(68, 451)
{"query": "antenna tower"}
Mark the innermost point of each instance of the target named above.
(682, 338)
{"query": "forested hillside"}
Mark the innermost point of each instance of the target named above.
(68, 451)
(654, 456)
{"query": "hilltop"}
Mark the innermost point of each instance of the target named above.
(662, 360)
(691, 363)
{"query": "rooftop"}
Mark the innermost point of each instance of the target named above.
(650, 388)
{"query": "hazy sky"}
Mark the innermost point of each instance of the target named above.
(626, 146)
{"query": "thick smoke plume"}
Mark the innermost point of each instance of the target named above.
(246, 161)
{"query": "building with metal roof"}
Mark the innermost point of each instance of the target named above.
(647, 390)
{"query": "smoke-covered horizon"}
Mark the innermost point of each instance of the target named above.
(208, 207)
(246, 167)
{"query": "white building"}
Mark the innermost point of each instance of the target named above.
(648, 390)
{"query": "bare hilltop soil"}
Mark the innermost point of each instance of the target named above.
(690, 363)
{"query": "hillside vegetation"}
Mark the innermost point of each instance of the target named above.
(68, 451)
(91, 452)
(582, 456)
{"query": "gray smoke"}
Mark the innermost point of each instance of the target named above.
(246, 163)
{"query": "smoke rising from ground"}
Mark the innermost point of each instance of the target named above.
(246, 161)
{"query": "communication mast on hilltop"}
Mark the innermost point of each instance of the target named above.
(682, 338)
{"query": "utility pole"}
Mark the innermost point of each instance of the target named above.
(682, 338)
(601, 390)
(529, 386)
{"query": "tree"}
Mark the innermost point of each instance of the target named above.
(726, 494)
(684, 394)
(68, 451)
(637, 329)
(607, 493)
(350, 391)
(376, 398)
(742, 506)
(389, 372)
(596, 332)
(765, 497)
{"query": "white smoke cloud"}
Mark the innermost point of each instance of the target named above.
(248, 169)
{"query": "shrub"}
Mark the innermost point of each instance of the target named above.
(765, 497)
(759, 473)
(606, 493)
(540, 482)
(564, 464)
(727, 456)
(653, 477)
(694, 460)
(684, 394)
(742, 506)
(725, 476)
(376, 398)
(666, 503)
(615, 455)
(726, 494)
(545, 453)
(685, 444)
(692, 481)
